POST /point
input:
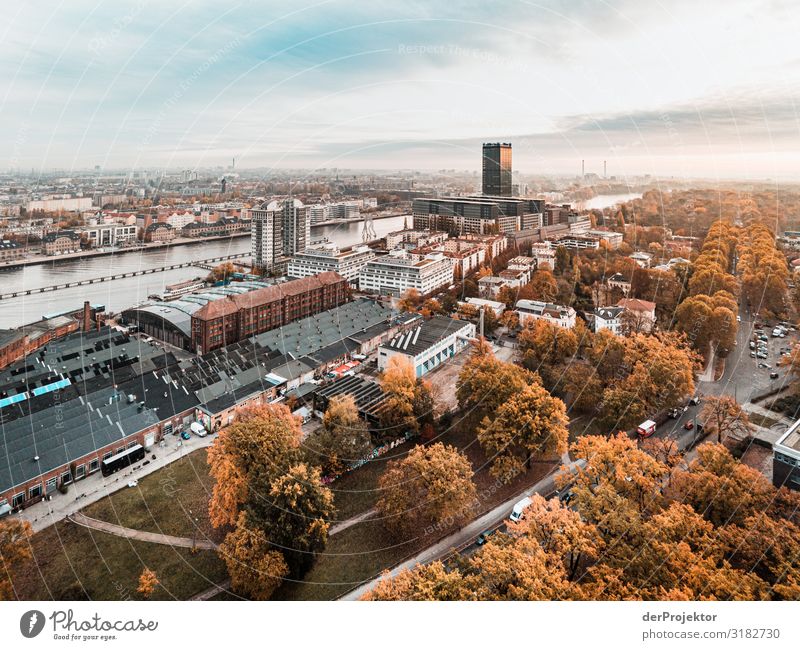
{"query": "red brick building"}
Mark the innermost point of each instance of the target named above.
(235, 318)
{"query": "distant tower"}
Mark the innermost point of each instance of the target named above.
(604, 169)
(496, 169)
(583, 168)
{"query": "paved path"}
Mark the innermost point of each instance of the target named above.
(140, 535)
(212, 591)
(96, 486)
(458, 539)
(344, 525)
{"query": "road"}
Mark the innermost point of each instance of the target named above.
(467, 534)
(742, 379)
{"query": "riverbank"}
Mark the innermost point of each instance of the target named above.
(153, 246)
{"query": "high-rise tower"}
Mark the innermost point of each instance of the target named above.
(497, 169)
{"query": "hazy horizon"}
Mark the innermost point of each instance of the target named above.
(701, 91)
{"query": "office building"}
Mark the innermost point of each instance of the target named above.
(398, 272)
(497, 169)
(558, 315)
(328, 257)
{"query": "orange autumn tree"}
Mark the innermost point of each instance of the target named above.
(14, 550)
(148, 581)
(263, 439)
(628, 534)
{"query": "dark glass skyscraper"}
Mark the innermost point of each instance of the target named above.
(497, 168)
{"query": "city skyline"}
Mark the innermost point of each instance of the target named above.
(332, 84)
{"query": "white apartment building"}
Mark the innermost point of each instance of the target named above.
(278, 231)
(559, 315)
(60, 204)
(397, 272)
(109, 234)
(328, 257)
(611, 238)
(180, 219)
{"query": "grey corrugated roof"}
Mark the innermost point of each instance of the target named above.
(57, 436)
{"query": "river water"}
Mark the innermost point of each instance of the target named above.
(607, 200)
(119, 294)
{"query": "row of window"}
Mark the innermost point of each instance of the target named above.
(66, 477)
(789, 460)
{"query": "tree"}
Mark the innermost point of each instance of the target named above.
(410, 300)
(255, 570)
(342, 439)
(720, 488)
(542, 286)
(399, 384)
(485, 383)
(724, 416)
(264, 441)
(293, 511)
(531, 423)
(221, 273)
(14, 550)
(148, 581)
(562, 259)
(432, 484)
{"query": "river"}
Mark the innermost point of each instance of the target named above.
(119, 294)
(607, 201)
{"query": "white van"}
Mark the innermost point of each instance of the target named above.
(198, 429)
(517, 512)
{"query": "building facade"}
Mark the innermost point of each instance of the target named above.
(394, 274)
(235, 318)
(496, 168)
(278, 231)
(786, 459)
(318, 259)
(558, 315)
(61, 242)
(428, 344)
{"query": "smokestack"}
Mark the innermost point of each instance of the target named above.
(87, 316)
(583, 168)
(604, 168)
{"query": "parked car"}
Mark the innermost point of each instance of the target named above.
(695, 399)
(773, 375)
(689, 425)
(484, 537)
(738, 319)
(761, 355)
(752, 345)
(764, 365)
(185, 435)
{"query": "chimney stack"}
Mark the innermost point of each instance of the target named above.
(87, 316)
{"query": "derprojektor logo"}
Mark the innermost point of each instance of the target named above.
(31, 623)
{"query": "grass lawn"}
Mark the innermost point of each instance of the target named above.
(166, 501)
(74, 563)
(357, 491)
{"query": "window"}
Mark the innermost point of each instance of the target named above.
(80, 472)
(132, 444)
(35, 491)
(94, 464)
(120, 449)
(66, 478)
(50, 485)
(18, 500)
(108, 454)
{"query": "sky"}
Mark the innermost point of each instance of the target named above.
(674, 88)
